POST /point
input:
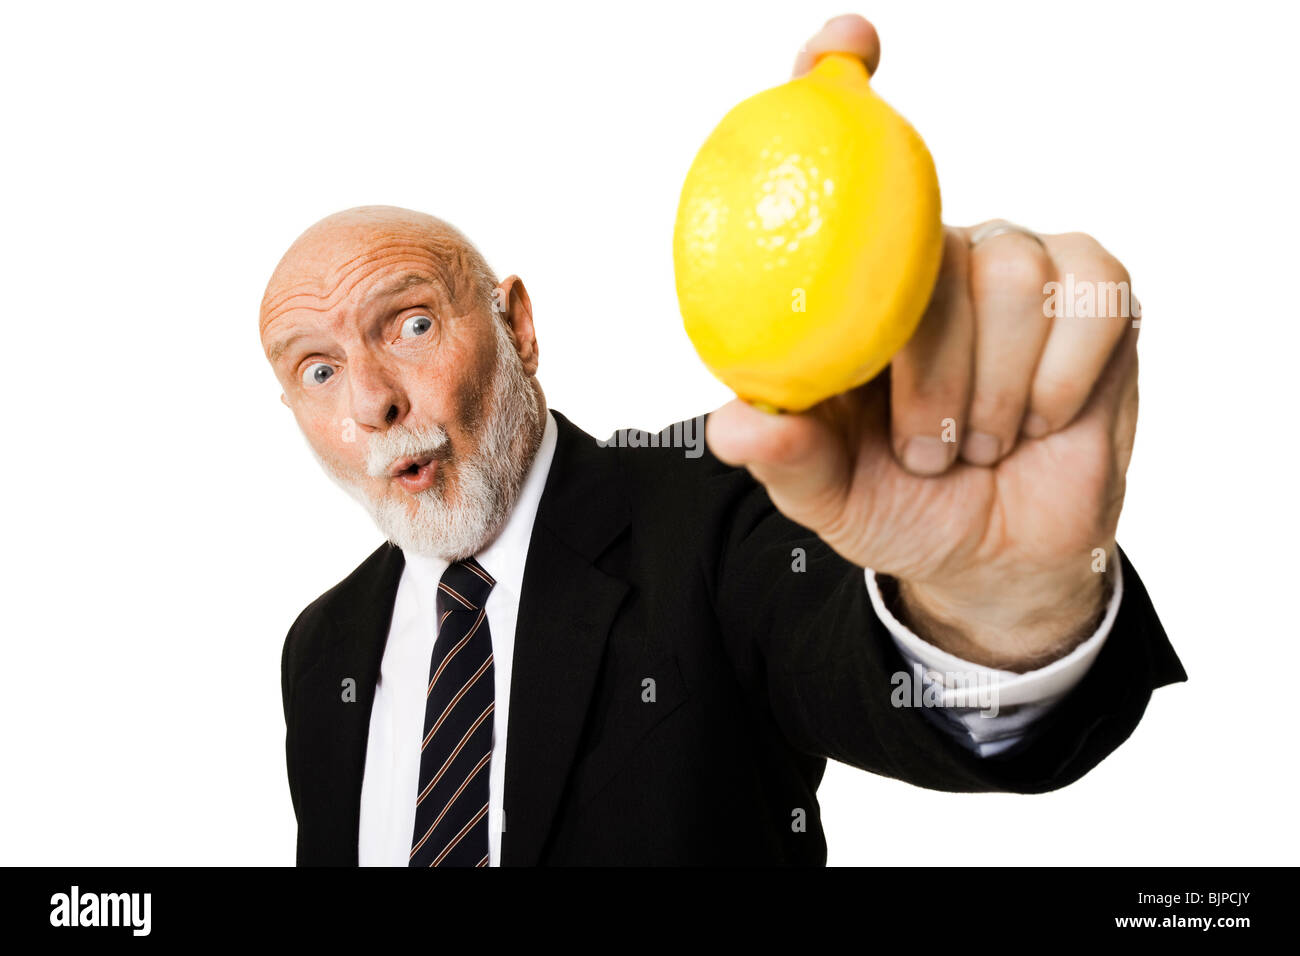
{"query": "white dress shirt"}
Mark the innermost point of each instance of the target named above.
(1020, 698)
(391, 779)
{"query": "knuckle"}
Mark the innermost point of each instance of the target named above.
(1093, 258)
(1114, 270)
(934, 393)
(997, 410)
(1081, 240)
(1055, 396)
(1017, 265)
(786, 445)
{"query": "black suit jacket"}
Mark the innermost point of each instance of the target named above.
(646, 563)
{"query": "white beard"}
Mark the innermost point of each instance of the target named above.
(487, 483)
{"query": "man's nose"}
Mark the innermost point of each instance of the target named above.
(378, 399)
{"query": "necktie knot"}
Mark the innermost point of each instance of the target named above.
(465, 586)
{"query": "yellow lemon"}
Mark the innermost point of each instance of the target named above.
(808, 239)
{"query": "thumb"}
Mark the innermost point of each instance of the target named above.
(847, 33)
(798, 457)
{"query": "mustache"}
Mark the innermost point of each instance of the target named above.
(402, 442)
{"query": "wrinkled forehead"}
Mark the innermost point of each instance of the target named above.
(344, 266)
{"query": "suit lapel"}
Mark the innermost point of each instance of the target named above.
(332, 757)
(565, 611)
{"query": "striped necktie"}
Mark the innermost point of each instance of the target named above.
(451, 807)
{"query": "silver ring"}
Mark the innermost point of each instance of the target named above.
(1001, 227)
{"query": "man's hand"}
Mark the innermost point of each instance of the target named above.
(985, 468)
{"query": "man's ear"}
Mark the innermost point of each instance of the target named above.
(284, 401)
(511, 302)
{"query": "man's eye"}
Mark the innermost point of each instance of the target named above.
(317, 373)
(416, 325)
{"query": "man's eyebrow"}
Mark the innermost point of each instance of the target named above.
(394, 286)
(279, 347)
(407, 280)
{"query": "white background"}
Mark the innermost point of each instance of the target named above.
(164, 522)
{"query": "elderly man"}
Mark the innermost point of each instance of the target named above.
(571, 651)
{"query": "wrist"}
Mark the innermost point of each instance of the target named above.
(1015, 629)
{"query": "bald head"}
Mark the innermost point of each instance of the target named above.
(410, 370)
(331, 254)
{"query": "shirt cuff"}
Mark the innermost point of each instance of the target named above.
(995, 709)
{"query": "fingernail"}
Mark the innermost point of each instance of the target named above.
(925, 455)
(981, 448)
(1035, 426)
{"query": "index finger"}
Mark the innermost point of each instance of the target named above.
(847, 33)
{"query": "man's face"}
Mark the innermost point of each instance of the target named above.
(403, 379)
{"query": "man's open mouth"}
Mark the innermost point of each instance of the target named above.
(414, 474)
